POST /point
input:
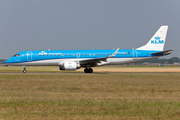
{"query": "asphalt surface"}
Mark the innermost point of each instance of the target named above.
(87, 73)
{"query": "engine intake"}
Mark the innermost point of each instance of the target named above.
(69, 66)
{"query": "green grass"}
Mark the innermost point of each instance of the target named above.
(89, 96)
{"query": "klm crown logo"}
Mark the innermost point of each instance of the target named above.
(42, 53)
(157, 40)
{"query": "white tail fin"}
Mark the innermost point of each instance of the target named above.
(157, 41)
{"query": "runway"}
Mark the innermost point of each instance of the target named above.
(89, 73)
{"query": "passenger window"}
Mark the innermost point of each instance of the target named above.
(93, 54)
(118, 53)
(101, 54)
(47, 54)
(43, 55)
(107, 54)
(39, 55)
(110, 54)
(82, 54)
(54, 54)
(89, 54)
(104, 54)
(58, 54)
(51, 54)
(97, 54)
(69, 54)
(66, 54)
(86, 54)
(73, 54)
(62, 54)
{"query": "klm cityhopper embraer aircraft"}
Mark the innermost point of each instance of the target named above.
(75, 59)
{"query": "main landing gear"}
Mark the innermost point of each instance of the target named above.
(24, 69)
(88, 70)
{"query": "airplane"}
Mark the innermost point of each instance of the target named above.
(75, 59)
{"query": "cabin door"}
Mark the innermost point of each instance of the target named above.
(134, 54)
(29, 56)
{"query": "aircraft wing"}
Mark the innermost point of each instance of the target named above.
(166, 52)
(97, 60)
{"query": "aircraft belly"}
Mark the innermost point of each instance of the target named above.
(119, 61)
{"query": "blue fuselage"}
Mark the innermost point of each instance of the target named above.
(27, 57)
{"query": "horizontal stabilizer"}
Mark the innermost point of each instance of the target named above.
(166, 52)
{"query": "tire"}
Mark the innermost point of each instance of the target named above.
(91, 70)
(86, 70)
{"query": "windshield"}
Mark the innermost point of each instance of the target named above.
(16, 55)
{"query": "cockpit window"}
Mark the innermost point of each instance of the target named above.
(14, 55)
(17, 55)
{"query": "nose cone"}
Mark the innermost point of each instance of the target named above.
(9, 61)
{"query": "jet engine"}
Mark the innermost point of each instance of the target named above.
(70, 66)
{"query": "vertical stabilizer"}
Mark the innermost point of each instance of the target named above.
(157, 41)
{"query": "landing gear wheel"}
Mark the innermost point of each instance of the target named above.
(90, 70)
(24, 71)
(86, 70)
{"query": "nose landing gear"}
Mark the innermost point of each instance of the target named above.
(24, 70)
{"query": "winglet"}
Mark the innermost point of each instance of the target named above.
(113, 54)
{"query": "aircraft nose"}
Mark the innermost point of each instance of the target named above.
(9, 61)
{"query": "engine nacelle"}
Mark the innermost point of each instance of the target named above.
(69, 66)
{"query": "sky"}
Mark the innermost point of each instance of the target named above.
(86, 24)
